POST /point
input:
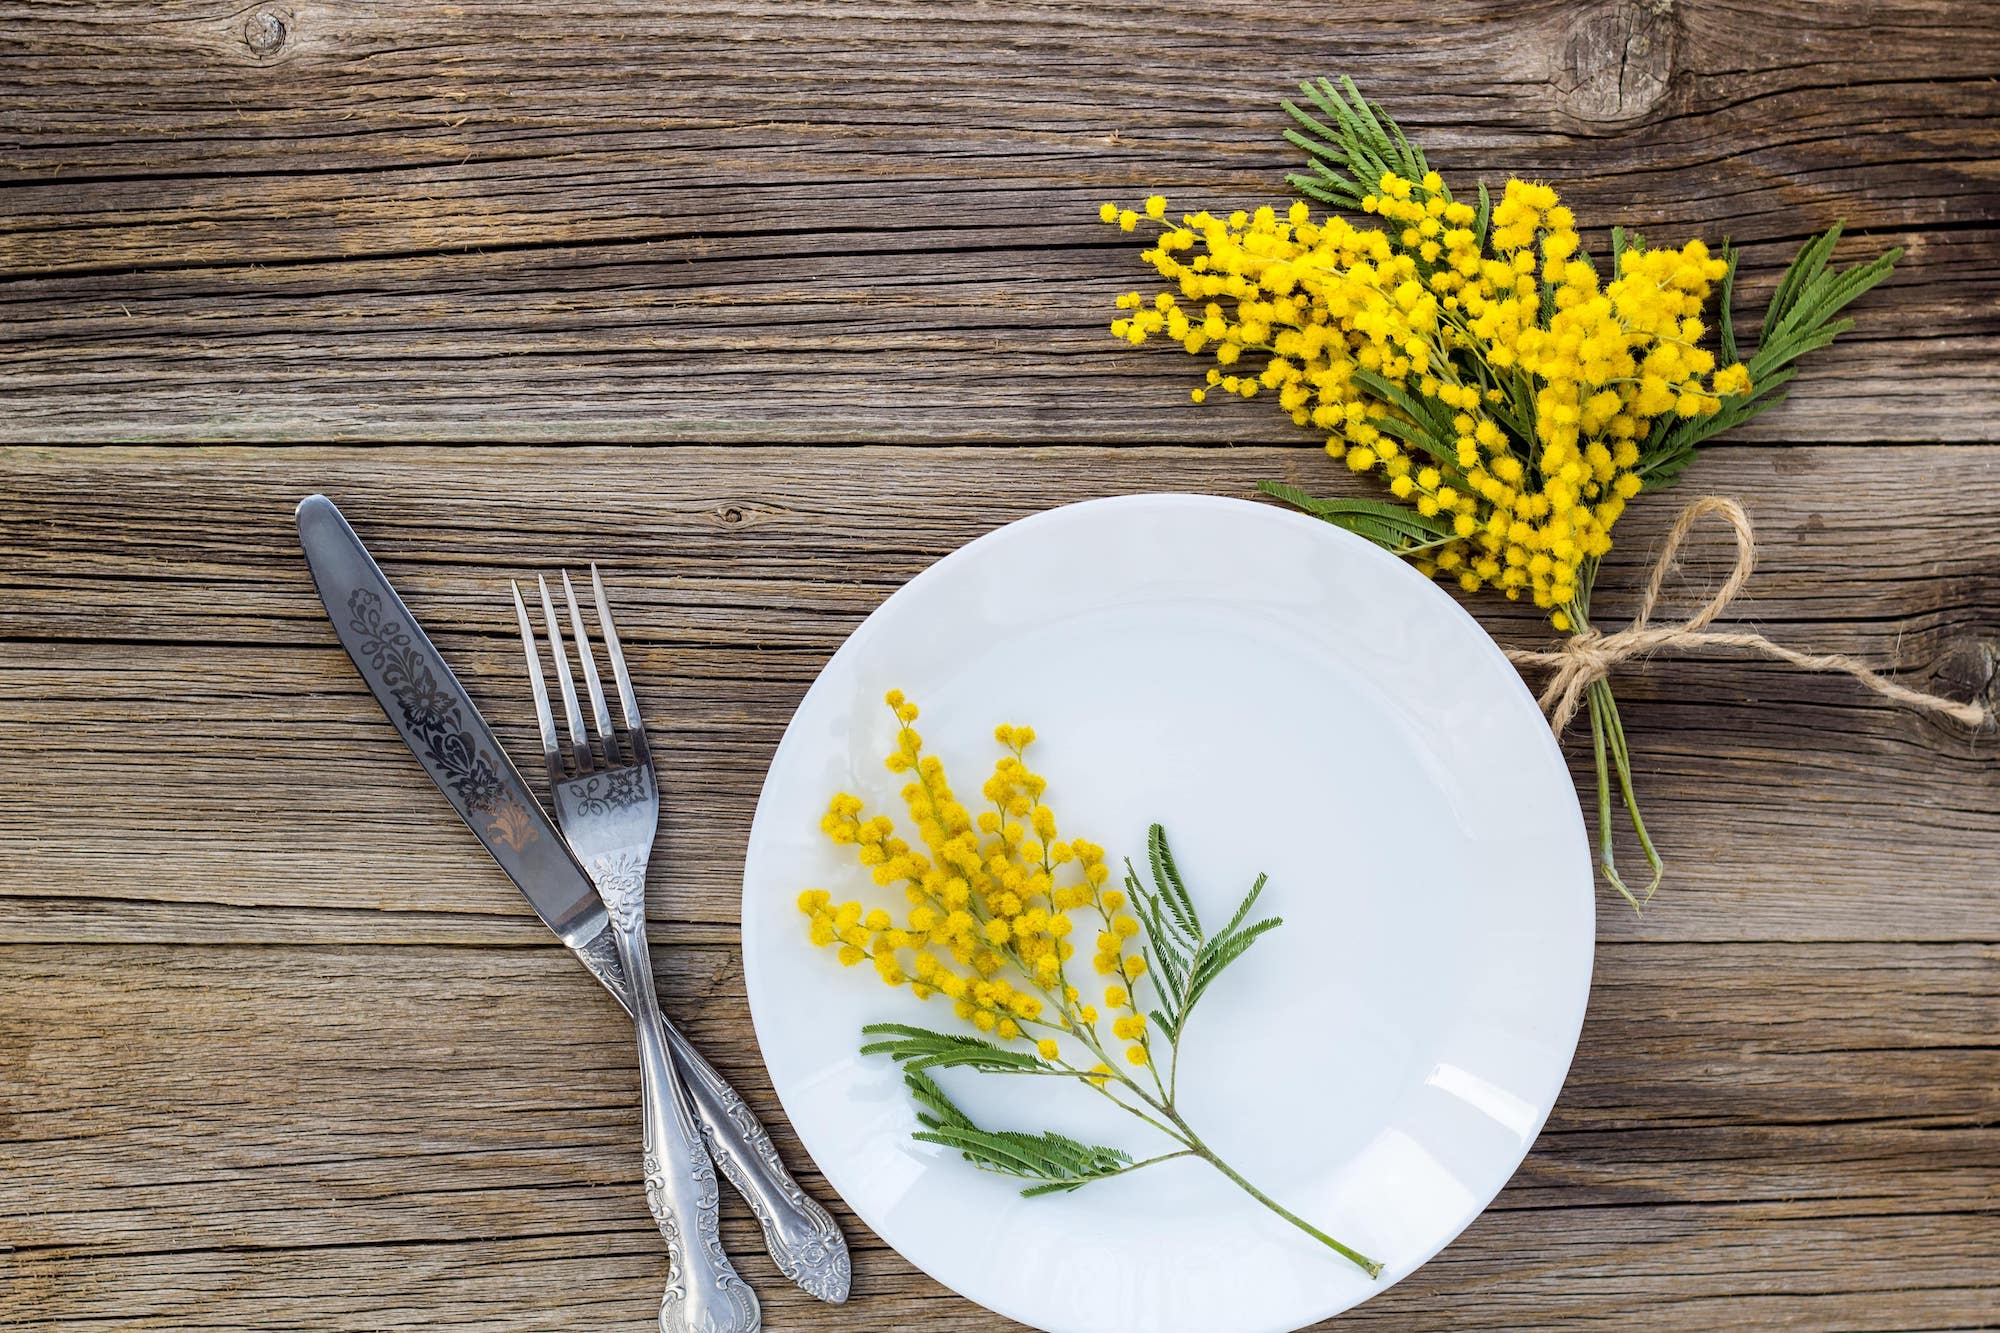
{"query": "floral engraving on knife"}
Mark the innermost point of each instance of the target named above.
(512, 826)
(802, 1237)
(435, 720)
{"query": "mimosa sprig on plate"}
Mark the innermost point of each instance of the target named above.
(994, 903)
(1510, 391)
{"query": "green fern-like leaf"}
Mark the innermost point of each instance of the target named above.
(1168, 876)
(1055, 1163)
(1187, 959)
(1219, 953)
(1390, 525)
(920, 1048)
(935, 1110)
(1802, 317)
(1349, 143)
(1726, 303)
(1243, 908)
(1427, 412)
(1172, 947)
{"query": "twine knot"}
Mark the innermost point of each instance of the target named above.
(1589, 655)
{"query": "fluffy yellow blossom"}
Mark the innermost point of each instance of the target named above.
(990, 899)
(1480, 365)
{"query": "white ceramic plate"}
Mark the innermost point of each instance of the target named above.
(1283, 697)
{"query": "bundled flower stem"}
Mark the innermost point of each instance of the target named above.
(1510, 393)
(994, 904)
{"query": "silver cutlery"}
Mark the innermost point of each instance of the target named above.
(607, 802)
(437, 720)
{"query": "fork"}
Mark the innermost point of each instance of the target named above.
(608, 807)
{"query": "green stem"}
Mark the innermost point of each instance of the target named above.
(1163, 1157)
(1607, 852)
(1146, 1038)
(1180, 1133)
(1203, 1151)
(1621, 758)
(1127, 1107)
(1613, 755)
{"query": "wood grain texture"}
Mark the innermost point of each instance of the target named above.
(1781, 1112)
(744, 568)
(852, 222)
(390, 1165)
(845, 239)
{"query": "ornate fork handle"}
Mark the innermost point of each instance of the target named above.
(704, 1293)
(803, 1239)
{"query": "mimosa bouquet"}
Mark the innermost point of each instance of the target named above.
(1511, 392)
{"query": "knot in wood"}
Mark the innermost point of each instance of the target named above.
(1619, 61)
(741, 513)
(1970, 669)
(264, 32)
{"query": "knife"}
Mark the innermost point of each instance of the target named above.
(437, 720)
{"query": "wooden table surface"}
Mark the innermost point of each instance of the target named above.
(771, 305)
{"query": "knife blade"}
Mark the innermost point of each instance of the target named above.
(436, 718)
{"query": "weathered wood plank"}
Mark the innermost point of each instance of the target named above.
(161, 136)
(157, 615)
(222, 1070)
(1679, 1270)
(320, 1127)
(735, 222)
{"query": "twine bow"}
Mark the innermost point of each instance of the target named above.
(1588, 656)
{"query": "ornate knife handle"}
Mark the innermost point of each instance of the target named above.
(704, 1293)
(803, 1239)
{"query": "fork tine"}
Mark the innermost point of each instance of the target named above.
(551, 747)
(627, 701)
(599, 713)
(579, 740)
